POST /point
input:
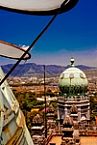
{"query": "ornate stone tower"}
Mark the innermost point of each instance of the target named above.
(37, 129)
(74, 113)
(37, 125)
(67, 131)
(73, 92)
(70, 132)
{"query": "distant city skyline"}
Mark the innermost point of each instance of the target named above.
(73, 34)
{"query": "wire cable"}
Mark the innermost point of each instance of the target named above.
(33, 43)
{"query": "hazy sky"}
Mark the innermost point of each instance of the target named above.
(72, 34)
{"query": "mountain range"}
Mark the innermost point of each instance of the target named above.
(32, 69)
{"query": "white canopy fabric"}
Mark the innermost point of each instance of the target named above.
(44, 7)
(11, 51)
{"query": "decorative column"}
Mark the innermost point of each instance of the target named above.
(58, 117)
(88, 112)
(66, 111)
(79, 114)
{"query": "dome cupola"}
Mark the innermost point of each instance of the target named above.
(73, 81)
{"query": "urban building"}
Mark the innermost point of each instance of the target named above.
(73, 98)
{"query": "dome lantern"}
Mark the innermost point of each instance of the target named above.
(72, 61)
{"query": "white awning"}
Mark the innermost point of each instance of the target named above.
(12, 51)
(39, 7)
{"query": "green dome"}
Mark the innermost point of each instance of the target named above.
(73, 80)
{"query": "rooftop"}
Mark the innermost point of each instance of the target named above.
(84, 140)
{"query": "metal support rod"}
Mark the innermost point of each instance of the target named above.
(45, 119)
(33, 43)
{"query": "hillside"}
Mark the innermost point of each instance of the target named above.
(32, 69)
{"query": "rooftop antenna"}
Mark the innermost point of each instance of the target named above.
(45, 119)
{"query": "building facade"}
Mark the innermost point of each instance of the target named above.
(73, 92)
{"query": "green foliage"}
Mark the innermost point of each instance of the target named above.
(27, 100)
